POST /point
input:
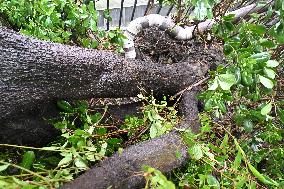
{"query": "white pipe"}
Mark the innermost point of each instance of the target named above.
(166, 23)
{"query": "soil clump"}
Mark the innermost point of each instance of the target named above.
(156, 46)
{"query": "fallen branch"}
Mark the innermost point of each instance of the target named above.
(35, 74)
(190, 87)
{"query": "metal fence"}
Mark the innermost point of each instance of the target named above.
(123, 15)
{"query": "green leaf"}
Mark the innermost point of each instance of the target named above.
(91, 7)
(227, 49)
(214, 85)
(226, 81)
(280, 115)
(106, 15)
(238, 160)
(248, 125)
(266, 109)
(3, 167)
(266, 82)
(106, 44)
(238, 75)
(86, 42)
(260, 177)
(93, 25)
(95, 44)
(208, 104)
(103, 149)
(261, 57)
(212, 181)
(228, 17)
(269, 73)
(272, 63)
(224, 143)
(153, 131)
(66, 160)
(257, 29)
(196, 152)
(200, 10)
(65, 106)
(88, 119)
(66, 34)
(267, 43)
(96, 117)
(111, 34)
(80, 163)
(221, 105)
(254, 170)
(28, 160)
(230, 26)
(207, 152)
(178, 154)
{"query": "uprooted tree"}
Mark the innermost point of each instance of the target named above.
(35, 74)
(38, 73)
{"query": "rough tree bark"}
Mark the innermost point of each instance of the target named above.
(34, 74)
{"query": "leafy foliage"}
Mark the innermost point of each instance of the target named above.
(161, 118)
(83, 142)
(86, 138)
(241, 140)
(201, 8)
(62, 21)
(218, 160)
(156, 180)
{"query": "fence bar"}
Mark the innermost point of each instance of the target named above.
(109, 13)
(170, 10)
(189, 11)
(148, 6)
(121, 11)
(159, 8)
(134, 9)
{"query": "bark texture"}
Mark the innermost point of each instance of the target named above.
(34, 74)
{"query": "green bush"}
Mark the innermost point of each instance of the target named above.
(62, 21)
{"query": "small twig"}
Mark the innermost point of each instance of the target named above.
(190, 87)
(27, 170)
(32, 148)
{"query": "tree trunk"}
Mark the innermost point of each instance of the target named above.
(34, 74)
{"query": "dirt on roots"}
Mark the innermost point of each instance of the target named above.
(156, 46)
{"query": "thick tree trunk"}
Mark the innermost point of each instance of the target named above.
(34, 74)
